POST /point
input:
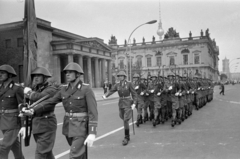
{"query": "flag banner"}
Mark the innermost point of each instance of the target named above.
(30, 41)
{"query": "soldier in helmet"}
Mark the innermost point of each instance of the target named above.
(44, 123)
(127, 102)
(139, 87)
(81, 115)
(11, 95)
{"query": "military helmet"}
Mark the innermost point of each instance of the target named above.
(72, 66)
(136, 75)
(153, 75)
(8, 69)
(41, 71)
(121, 73)
(171, 74)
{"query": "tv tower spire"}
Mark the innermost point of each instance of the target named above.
(160, 30)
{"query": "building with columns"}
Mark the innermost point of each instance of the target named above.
(56, 48)
(184, 56)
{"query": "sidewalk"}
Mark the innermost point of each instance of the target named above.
(98, 94)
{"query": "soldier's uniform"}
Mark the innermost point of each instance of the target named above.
(44, 122)
(81, 115)
(11, 95)
(140, 87)
(127, 97)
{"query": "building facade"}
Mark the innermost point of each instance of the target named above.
(226, 67)
(56, 48)
(184, 56)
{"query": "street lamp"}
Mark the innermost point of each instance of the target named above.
(150, 22)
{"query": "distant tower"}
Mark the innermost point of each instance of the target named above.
(160, 30)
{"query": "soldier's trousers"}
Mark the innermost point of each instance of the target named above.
(78, 149)
(45, 142)
(10, 142)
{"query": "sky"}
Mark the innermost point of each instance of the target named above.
(104, 18)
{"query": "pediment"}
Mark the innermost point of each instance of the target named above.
(196, 51)
(172, 54)
(93, 43)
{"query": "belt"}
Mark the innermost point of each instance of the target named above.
(44, 114)
(9, 111)
(125, 97)
(83, 114)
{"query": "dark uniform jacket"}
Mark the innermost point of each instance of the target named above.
(125, 89)
(10, 98)
(43, 120)
(80, 99)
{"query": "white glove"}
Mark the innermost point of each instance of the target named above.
(187, 92)
(192, 92)
(176, 94)
(27, 90)
(133, 106)
(180, 94)
(136, 87)
(104, 97)
(158, 93)
(29, 112)
(22, 132)
(170, 88)
(147, 94)
(90, 139)
(152, 91)
(141, 93)
(199, 88)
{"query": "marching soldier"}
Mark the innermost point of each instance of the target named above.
(11, 95)
(126, 102)
(44, 122)
(150, 96)
(140, 88)
(81, 115)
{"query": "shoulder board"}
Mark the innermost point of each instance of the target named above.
(85, 84)
(117, 82)
(64, 85)
(17, 84)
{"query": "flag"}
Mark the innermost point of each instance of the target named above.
(30, 41)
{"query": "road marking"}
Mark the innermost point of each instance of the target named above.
(98, 138)
(109, 103)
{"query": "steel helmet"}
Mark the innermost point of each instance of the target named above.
(136, 75)
(121, 73)
(171, 74)
(8, 69)
(72, 66)
(153, 75)
(41, 71)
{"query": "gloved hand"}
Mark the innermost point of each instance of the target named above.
(176, 94)
(136, 87)
(158, 94)
(104, 97)
(199, 88)
(27, 90)
(90, 139)
(187, 92)
(133, 106)
(22, 132)
(170, 88)
(180, 94)
(152, 91)
(147, 94)
(141, 93)
(27, 112)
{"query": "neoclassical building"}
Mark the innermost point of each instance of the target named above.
(184, 56)
(56, 48)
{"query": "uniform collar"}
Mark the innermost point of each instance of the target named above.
(77, 83)
(7, 83)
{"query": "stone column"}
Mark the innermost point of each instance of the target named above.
(97, 79)
(80, 60)
(103, 70)
(70, 58)
(89, 70)
(109, 70)
(56, 70)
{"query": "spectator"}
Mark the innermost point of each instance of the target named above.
(222, 89)
(105, 86)
(109, 85)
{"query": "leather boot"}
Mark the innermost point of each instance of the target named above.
(126, 138)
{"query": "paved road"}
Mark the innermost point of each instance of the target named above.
(212, 132)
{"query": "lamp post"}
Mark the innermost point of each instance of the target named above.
(150, 22)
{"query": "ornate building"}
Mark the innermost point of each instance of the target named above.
(184, 56)
(56, 48)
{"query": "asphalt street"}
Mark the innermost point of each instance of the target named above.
(213, 132)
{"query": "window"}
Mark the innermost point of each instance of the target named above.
(121, 64)
(172, 60)
(139, 62)
(19, 42)
(159, 61)
(8, 43)
(185, 59)
(149, 62)
(196, 59)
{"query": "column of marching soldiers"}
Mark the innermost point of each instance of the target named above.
(170, 98)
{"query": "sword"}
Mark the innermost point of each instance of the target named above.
(133, 124)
